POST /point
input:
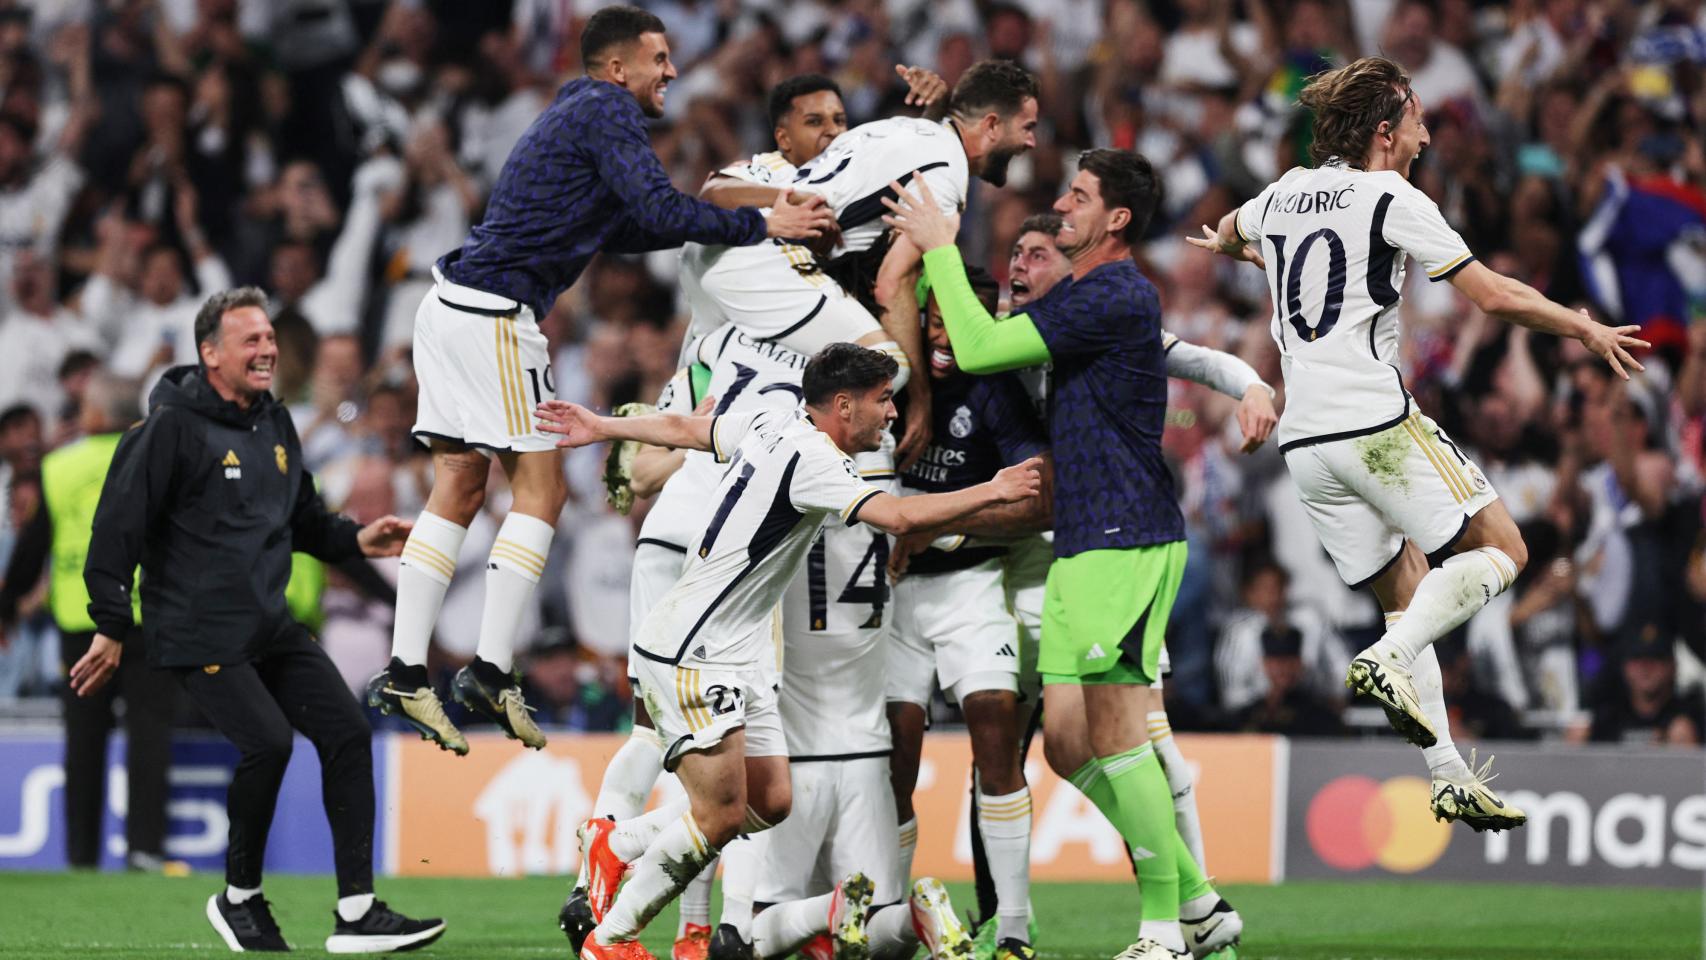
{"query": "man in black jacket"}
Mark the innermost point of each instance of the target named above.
(209, 495)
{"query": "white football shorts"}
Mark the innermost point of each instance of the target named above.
(772, 291)
(843, 819)
(483, 366)
(954, 628)
(1367, 495)
(694, 708)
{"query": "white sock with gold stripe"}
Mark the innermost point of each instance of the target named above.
(516, 564)
(908, 843)
(674, 858)
(1442, 757)
(1180, 781)
(1446, 597)
(423, 576)
(1005, 823)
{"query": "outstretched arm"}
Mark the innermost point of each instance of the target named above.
(1228, 241)
(580, 427)
(929, 511)
(1511, 300)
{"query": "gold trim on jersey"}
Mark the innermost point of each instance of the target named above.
(1442, 271)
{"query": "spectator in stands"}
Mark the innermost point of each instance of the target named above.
(1286, 706)
(1240, 658)
(36, 335)
(1642, 704)
(1477, 713)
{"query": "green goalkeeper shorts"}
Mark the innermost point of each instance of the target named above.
(1105, 614)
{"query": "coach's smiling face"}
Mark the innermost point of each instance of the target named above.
(644, 70)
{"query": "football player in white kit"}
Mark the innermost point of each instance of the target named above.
(703, 646)
(1386, 488)
(992, 118)
(836, 623)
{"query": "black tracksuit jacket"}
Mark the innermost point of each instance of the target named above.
(210, 499)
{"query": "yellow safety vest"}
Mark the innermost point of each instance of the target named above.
(71, 481)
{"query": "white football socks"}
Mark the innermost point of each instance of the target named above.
(630, 776)
(696, 901)
(1005, 824)
(1444, 599)
(890, 931)
(1180, 781)
(741, 863)
(1165, 932)
(680, 851)
(783, 928)
(634, 835)
(516, 563)
(908, 847)
(423, 576)
(236, 895)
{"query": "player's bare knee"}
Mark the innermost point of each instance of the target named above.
(1065, 755)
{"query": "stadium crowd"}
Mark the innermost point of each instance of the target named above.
(153, 151)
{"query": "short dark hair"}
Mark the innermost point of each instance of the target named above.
(76, 362)
(845, 368)
(1049, 223)
(615, 25)
(784, 94)
(19, 413)
(983, 284)
(207, 319)
(999, 86)
(1126, 180)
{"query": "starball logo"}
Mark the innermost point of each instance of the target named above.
(1357, 822)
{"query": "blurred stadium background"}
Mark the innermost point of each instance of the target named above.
(330, 150)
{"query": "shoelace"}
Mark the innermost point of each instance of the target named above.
(511, 695)
(1485, 775)
(253, 917)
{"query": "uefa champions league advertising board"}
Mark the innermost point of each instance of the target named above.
(1596, 815)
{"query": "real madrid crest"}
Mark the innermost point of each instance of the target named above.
(960, 425)
(281, 458)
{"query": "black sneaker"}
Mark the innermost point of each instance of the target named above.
(246, 926)
(488, 691)
(382, 930)
(575, 919)
(403, 690)
(726, 944)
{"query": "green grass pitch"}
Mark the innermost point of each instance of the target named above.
(120, 916)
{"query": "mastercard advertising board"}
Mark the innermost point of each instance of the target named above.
(1600, 815)
(506, 811)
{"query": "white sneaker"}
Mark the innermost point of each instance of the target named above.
(1470, 800)
(847, 910)
(1216, 930)
(1390, 686)
(942, 934)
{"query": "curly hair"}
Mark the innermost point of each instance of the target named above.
(1351, 103)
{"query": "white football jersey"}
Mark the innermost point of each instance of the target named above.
(855, 172)
(785, 479)
(746, 374)
(834, 626)
(1334, 239)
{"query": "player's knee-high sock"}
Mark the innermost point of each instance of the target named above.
(1444, 599)
(908, 847)
(668, 865)
(630, 776)
(516, 564)
(696, 901)
(633, 836)
(741, 864)
(423, 576)
(1193, 883)
(1143, 813)
(890, 931)
(1005, 825)
(783, 928)
(1180, 781)
(1442, 757)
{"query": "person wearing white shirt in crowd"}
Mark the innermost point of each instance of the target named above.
(35, 336)
(137, 298)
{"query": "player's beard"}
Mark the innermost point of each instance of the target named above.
(995, 167)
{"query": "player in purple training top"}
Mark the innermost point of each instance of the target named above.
(583, 178)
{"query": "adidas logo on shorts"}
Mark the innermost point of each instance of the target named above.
(1096, 654)
(1006, 651)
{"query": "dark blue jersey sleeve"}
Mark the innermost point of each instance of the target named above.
(1003, 404)
(1092, 315)
(661, 215)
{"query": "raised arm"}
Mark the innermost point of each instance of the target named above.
(1225, 373)
(1511, 300)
